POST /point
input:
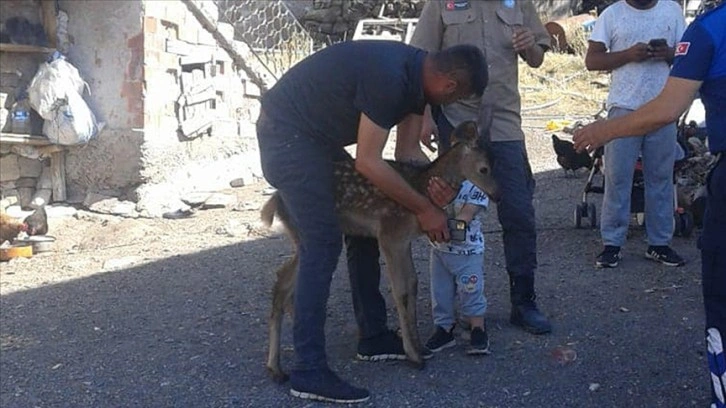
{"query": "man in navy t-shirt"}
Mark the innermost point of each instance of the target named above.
(352, 92)
(699, 66)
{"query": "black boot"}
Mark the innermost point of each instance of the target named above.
(524, 309)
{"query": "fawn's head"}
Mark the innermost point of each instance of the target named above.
(472, 159)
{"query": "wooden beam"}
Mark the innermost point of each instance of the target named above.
(24, 48)
(58, 175)
(16, 138)
(50, 21)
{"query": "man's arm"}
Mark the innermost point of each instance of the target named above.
(468, 212)
(532, 54)
(369, 162)
(429, 31)
(599, 59)
(532, 51)
(675, 98)
(408, 148)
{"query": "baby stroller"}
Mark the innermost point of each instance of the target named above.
(586, 212)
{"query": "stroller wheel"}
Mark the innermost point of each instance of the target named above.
(684, 224)
(592, 214)
(578, 214)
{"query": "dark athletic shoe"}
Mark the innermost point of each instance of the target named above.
(609, 257)
(440, 340)
(325, 385)
(479, 343)
(665, 255)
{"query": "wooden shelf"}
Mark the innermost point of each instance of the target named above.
(23, 48)
(16, 138)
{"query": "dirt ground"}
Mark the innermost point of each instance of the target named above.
(172, 313)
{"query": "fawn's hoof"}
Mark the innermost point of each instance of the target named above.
(278, 375)
(419, 365)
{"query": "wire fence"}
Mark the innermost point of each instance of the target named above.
(270, 29)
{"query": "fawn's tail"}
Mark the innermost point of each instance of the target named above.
(267, 214)
(275, 207)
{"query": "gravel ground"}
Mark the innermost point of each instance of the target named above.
(172, 313)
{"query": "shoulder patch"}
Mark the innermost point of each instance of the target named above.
(453, 5)
(682, 48)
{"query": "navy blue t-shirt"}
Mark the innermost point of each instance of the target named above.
(323, 95)
(701, 56)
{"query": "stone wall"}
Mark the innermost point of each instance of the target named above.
(20, 166)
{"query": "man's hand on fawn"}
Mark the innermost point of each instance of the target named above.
(440, 192)
(433, 222)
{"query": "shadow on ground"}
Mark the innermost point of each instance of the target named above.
(190, 331)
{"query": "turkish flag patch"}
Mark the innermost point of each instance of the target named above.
(682, 48)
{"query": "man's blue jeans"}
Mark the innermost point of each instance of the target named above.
(658, 154)
(301, 169)
(712, 243)
(511, 170)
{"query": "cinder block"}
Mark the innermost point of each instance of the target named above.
(29, 167)
(226, 29)
(205, 37)
(252, 90)
(9, 168)
(188, 33)
(150, 25)
(155, 8)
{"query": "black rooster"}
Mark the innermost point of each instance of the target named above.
(37, 222)
(568, 158)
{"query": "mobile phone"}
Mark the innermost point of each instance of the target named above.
(457, 229)
(657, 42)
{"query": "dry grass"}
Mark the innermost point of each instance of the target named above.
(562, 86)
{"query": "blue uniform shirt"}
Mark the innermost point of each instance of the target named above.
(701, 56)
(323, 96)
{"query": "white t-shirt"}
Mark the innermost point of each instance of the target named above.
(474, 243)
(620, 27)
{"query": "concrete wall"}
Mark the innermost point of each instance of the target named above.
(107, 49)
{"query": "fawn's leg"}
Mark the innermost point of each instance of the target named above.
(282, 295)
(404, 283)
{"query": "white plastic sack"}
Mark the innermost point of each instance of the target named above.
(51, 83)
(55, 93)
(72, 122)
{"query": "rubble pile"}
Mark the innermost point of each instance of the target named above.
(691, 175)
(331, 21)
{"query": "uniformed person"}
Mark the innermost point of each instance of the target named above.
(699, 66)
(505, 31)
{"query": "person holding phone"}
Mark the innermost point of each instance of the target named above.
(635, 40)
(457, 267)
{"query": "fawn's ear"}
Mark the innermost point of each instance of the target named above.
(466, 132)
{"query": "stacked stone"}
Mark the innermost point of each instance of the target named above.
(23, 181)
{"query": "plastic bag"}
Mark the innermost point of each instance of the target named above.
(55, 93)
(72, 122)
(52, 82)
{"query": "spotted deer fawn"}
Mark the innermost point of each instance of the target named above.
(363, 210)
